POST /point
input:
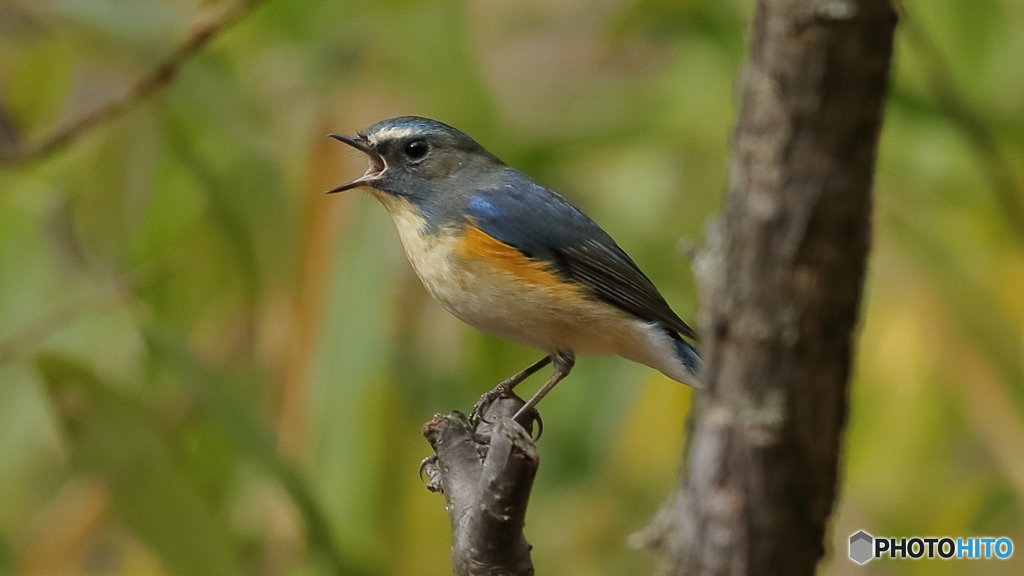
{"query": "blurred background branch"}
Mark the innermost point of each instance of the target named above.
(964, 115)
(14, 151)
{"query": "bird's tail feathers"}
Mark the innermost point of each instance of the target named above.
(686, 354)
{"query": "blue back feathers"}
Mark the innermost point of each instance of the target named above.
(544, 226)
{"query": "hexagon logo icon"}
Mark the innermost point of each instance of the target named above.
(860, 547)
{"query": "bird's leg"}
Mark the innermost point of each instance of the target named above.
(510, 383)
(505, 387)
(564, 361)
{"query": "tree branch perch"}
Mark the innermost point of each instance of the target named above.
(486, 473)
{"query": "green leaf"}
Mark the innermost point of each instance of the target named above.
(208, 389)
(117, 437)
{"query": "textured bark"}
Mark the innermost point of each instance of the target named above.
(781, 284)
(485, 471)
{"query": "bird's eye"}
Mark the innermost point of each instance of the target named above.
(416, 149)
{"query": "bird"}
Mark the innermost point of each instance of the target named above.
(515, 259)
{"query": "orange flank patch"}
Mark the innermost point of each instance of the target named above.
(477, 245)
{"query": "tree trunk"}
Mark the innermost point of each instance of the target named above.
(781, 284)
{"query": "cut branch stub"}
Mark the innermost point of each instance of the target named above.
(485, 471)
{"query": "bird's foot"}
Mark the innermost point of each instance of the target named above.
(525, 417)
(485, 401)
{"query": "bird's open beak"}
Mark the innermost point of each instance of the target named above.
(374, 172)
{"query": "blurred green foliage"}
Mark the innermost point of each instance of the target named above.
(209, 367)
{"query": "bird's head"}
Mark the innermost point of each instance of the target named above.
(418, 158)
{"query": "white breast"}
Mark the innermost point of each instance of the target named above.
(430, 256)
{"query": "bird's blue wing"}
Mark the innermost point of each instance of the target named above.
(545, 227)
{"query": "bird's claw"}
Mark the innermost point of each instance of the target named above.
(429, 466)
(527, 419)
(476, 416)
(461, 417)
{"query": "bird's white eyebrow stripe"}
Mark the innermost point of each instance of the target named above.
(391, 134)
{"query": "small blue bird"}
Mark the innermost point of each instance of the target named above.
(514, 259)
